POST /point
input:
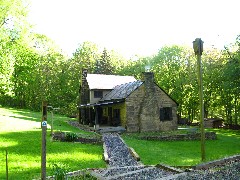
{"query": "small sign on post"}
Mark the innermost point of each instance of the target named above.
(44, 123)
(44, 133)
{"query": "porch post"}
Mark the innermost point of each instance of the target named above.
(90, 117)
(96, 126)
(80, 114)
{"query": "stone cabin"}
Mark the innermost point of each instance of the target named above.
(138, 106)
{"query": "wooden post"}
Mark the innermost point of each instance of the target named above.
(96, 126)
(6, 164)
(44, 133)
(198, 49)
(52, 123)
(79, 115)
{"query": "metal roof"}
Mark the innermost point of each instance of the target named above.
(99, 104)
(121, 91)
(102, 81)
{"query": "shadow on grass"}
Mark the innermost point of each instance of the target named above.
(24, 155)
(59, 122)
(31, 115)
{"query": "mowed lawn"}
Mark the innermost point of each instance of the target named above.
(185, 153)
(20, 134)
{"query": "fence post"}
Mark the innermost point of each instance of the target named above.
(44, 132)
(6, 164)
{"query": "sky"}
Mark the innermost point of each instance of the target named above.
(136, 27)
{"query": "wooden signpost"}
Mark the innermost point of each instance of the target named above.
(198, 49)
(44, 133)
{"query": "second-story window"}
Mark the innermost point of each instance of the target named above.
(98, 94)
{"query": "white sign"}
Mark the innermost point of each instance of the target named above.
(44, 123)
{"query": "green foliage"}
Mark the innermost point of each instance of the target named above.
(103, 65)
(71, 137)
(59, 171)
(34, 69)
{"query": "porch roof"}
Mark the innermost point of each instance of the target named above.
(101, 104)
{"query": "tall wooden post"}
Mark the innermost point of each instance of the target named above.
(198, 49)
(52, 123)
(44, 133)
(6, 164)
(96, 126)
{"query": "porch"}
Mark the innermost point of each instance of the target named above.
(100, 115)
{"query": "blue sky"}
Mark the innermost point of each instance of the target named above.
(136, 26)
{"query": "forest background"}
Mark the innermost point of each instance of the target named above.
(34, 69)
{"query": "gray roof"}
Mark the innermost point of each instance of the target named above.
(102, 81)
(122, 91)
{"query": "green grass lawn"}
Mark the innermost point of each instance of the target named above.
(185, 153)
(20, 134)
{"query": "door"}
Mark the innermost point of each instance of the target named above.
(116, 117)
(110, 115)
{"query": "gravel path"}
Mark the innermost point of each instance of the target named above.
(123, 165)
(118, 151)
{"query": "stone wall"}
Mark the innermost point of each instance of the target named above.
(181, 137)
(133, 108)
(143, 108)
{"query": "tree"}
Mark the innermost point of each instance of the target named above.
(212, 60)
(231, 83)
(12, 24)
(103, 65)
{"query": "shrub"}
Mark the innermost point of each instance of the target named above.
(71, 137)
(59, 172)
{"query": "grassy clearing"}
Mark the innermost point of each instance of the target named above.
(20, 133)
(184, 153)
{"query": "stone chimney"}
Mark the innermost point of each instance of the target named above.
(149, 106)
(148, 78)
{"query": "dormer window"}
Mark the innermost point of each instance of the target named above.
(98, 94)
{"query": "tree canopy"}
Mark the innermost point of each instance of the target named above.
(33, 69)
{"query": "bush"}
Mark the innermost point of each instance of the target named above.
(59, 172)
(71, 137)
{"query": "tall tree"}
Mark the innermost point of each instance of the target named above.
(104, 65)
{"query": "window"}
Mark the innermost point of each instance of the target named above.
(166, 114)
(98, 94)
